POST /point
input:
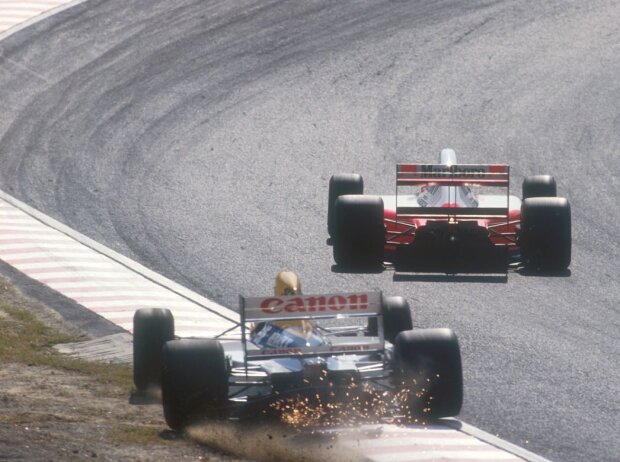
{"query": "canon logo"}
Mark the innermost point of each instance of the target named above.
(315, 304)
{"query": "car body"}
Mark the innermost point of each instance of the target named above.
(302, 375)
(451, 218)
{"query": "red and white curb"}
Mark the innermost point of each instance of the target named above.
(391, 443)
(98, 278)
(21, 13)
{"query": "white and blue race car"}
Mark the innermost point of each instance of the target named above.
(294, 360)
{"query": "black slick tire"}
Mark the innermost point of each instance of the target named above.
(152, 328)
(396, 318)
(194, 381)
(545, 235)
(359, 235)
(429, 372)
(339, 185)
(539, 186)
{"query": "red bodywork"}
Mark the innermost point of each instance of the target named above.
(402, 231)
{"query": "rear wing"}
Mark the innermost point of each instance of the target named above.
(455, 175)
(322, 306)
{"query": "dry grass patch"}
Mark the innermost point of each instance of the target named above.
(130, 434)
(25, 339)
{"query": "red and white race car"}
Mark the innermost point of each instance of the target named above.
(454, 218)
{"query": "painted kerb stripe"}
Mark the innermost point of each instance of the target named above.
(16, 15)
(59, 267)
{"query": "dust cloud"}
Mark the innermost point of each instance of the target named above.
(271, 443)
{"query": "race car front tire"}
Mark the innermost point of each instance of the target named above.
(359, 234)
(545, 233)
(341, 184)
(152, 328)
(194, 381)
(539, 186)
(396, 318)
(429, 373)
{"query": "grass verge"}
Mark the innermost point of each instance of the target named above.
(25, 339)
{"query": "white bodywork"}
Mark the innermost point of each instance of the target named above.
(459, 196)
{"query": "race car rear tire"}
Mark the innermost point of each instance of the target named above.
(545, 234)
(339, 185)
(539, 186)
(194, 381)
(152, 328)
(359, 234)
(396, 318)
(429, 372)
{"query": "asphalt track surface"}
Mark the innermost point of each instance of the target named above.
(198, 138)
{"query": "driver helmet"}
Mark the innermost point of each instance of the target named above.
(288, 283)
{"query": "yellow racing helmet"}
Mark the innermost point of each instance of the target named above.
(288, 283)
